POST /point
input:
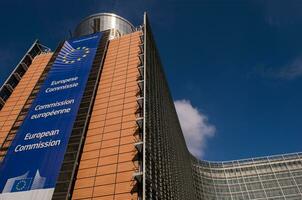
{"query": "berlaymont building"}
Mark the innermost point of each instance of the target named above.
(94, 119)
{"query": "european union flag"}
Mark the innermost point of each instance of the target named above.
(70, 54)
(21, 185)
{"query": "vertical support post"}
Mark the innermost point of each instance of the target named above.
(144, 108)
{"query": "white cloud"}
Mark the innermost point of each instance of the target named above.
(195, 127)
(291, 71)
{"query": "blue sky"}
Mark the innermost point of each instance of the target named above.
(238, 62)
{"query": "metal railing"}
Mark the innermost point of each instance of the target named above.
(16, 75)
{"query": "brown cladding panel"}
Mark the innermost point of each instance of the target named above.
(16, 101)
(107, 166)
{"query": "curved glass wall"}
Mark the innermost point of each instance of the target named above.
(104, 21)
(273, 177)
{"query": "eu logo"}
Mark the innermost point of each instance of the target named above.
(21, 185)
(70, 55)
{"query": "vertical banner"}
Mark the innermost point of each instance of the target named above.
(33, 162)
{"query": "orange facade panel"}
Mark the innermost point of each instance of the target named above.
(106, 167)
(16, 101)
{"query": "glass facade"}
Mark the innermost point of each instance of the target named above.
(273, 177)
(168, 173)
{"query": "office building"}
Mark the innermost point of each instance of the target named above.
(94, 119)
